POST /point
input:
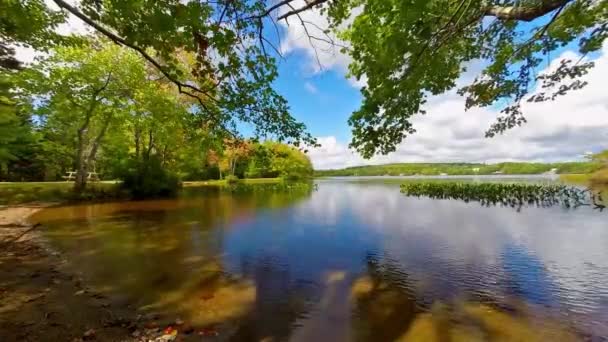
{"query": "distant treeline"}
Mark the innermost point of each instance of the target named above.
(429, 169)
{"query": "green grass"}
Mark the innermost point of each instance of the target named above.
(256, 185)
(223, 182)
(12, 193)
(27, 192)
(577, 179)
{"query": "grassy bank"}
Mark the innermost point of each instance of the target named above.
(27, 192)
(256, 185)
(431, 169)
(223, 182)
(597, 178)
(600, 177)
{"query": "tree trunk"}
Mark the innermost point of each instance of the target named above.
(150, 145)
(164, 155)
(137, 139)
(93, 153)
(82, 166)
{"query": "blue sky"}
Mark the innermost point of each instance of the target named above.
(323, 100)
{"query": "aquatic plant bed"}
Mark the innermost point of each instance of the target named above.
(285, 187)
(506, 194)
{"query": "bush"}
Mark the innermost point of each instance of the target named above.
(145, 179)
(232, 180)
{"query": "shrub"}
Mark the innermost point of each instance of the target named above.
(232, 180)
(145, 179)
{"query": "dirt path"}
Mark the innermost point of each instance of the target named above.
(41, 300)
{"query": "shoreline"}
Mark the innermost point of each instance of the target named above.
(43, 299)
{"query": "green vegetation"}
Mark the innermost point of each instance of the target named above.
(505, 194)
(427, 169)
(409, 50)
(91, 108)
(255, 185)
(51, 192)
(150, 99)
(406, 51)
(600, 177)
(282, 186)
(155, 93)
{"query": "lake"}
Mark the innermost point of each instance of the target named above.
(355, 260)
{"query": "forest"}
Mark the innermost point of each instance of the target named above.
(424, 169)
(93, 109)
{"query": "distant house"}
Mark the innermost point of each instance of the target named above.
(497, 172)
(551, 172)
(443, 174)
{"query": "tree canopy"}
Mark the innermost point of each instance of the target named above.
(231, 74)
(97, 107)
(409, 50)
(406, 51)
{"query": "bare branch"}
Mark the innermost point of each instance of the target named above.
(309, 5)
(308, 35)
(274, 7)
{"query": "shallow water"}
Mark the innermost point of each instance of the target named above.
(351, 261)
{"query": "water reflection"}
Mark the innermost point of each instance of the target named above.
(350, 262)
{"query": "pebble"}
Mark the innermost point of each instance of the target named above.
(89, 334)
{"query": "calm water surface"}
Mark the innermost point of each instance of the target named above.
(353, 261)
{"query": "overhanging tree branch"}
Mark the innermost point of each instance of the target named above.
(514, 12)
(524, 13)
(121, 41)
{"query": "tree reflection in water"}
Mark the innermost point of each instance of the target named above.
(386, 309)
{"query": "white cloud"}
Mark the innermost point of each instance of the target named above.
(560, 130)
(310, 87)
(321, 53)
(72, 25)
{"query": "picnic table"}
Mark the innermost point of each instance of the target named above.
(71, 175)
